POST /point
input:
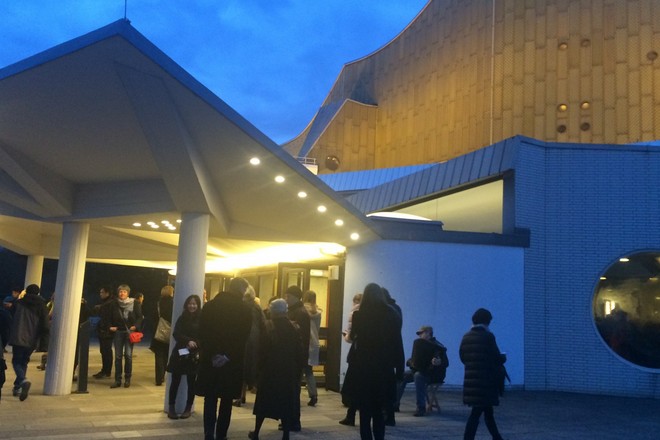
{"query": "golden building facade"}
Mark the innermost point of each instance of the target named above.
(465, 74)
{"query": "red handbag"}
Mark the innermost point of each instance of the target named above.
(135, 337)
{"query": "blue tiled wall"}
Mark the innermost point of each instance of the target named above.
(585, 206)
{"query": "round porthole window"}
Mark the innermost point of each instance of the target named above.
(626, 308)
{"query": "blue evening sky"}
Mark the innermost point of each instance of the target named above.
(273, 61)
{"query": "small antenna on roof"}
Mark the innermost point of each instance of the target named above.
(125, 8)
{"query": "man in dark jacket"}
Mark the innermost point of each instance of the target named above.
(428, 364)
(483, 368)
(298, 314)
(104, 312)
(5, 328)
(224, 329)
(29, 332)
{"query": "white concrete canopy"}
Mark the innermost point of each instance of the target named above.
(107, 130)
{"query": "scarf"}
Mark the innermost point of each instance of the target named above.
(125, 306)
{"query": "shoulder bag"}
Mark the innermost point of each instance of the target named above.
(163, 330)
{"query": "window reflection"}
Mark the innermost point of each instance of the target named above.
(626, 308)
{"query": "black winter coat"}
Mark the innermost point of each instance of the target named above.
(224, 328)
(115, 318)
(185, 330)
(423, 353)
(30, 326)
(299, 314)
(280, 366)
(483, 367)
(377, 358)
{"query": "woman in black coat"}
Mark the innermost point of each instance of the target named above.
(281, 360)
(161, 349)
(483, 374)
(185, 355)
(377, 360)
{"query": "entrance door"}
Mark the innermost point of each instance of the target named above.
(330, 298)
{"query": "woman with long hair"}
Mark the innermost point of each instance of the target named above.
(184, 357)
(377, 360)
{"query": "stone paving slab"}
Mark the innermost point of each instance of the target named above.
(137, 412)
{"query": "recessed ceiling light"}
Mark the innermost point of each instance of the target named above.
(302, 194)
(355, 236)
(165, 222)
(624, 260)
(137, 224)
(151, 223)
(279, 179)
(339, 222)
(155, 226)
(255, 161)
(178, 220)
(321, 208)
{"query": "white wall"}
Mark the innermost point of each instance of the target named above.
(441, 285)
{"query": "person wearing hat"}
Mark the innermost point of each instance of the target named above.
(280, 363)
(428, 364)
(483, 366)
(298, 314)
(29, 332)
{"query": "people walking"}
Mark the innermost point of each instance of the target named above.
(30, 331)
(185, 355)
(224, 328)
(483, 374)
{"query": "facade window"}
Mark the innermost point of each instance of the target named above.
(626, 308)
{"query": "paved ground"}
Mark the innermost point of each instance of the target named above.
(137, 412)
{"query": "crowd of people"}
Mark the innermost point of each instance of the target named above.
(230, 345)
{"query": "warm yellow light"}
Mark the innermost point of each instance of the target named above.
(321, 208)
(355, 236)
(624, 260)
(178, 220)
(137, 224)
(302, 194)
(154, 225)
(279, 179)
(294, 253)
(339, 222)
(255, 161)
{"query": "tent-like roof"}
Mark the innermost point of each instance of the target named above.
(107, 129)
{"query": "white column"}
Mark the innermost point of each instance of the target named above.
(34, 270)
(190, 271)
(66, 311)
